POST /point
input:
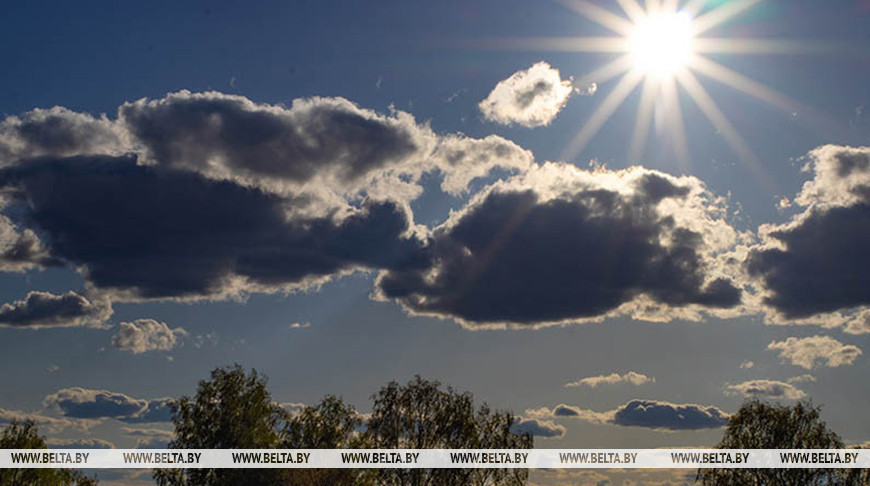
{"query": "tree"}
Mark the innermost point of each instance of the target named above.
(233, 410)
(24, 435)
(331, 424)
(420, 415)
(759, 425)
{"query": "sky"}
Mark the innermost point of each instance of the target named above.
(618, 221)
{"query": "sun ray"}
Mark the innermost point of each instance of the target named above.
(717, 45)
(652, 6)
(606, 72)
(556, 44)
(675, 116)
(600, 16)
(603, 113)
(720, 14)
(713, 113)
(694, 7)
(633, 9)
(669, 5)
(642, 121)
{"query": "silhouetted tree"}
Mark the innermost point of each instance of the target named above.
(331, 424)
(24, 435)
(232, 410)
(420, 415)
(759, 425)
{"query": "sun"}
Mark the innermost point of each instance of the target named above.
(661, 44)
(663, 47)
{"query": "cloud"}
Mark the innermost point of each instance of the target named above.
(768, 389)
(860, 324)
(200, 238)
(650, 414)
(299, 325)
(538, 428)
(213, 196)
(80, 443)
(747, 365)
(50, 424)
(631, 377)
(149, 438)
(816, 351)
(144, 335)
(58, 132)
(531, 98)
(558, 244)
(813, 267)
(43, 309)
(98, 404)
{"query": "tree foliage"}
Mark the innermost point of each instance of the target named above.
(760, 425)
(232, 410)
(421, 415)
(24, 435)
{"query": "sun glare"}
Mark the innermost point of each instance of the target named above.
(661, 44)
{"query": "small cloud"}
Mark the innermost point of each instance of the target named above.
(589, 90)
(300, 325)
(53, 369)
(803, 379)
(531, 98)
(816, 351)
(538, 428)
(631, 377)
(82, 443)
(143, 335)
(43, 310)
(766, 389)
(746, 365)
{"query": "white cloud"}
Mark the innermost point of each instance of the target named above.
(531, 98)
(816, 351)
(746, 365)
(631, 377)
(767, 389)
(144, 335)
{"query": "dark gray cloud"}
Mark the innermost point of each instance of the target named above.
(213, 132)
(84, 403)
(816, 263)
(44, 309)
(149, 232)
(663, 415)
(561, 244)
(652, 414)
(538, 428)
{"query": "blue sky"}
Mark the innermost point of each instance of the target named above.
(391, 270)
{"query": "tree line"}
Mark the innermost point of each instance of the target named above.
(233, 409)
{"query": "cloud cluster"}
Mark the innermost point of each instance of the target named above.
(531, 98)
(815, 351)
(44, 309)
(767, 389)
(558, 244)
(813, 268)
(631, 377)
(99, 404)
(209, 196)
(143, 335)
(652, 414)
(538, 428)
